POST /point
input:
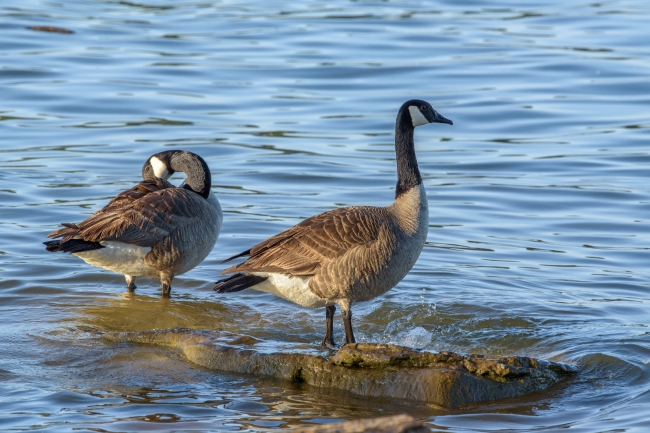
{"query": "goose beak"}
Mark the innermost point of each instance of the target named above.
(438, 118)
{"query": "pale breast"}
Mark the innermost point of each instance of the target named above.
(400, 247)
(194, 242)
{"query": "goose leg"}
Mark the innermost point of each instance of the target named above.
(166, 284)
(328, 341)
(347, 323)
(130, 283)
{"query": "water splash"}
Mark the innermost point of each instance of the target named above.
(417, 338)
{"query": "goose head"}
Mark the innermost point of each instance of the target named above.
(164, 164)
(158, 165)
(421, 113)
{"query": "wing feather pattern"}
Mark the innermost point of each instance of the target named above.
(335, 248)
(154, 214)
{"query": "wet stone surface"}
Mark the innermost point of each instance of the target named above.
(445, 379)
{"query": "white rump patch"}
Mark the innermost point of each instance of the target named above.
(159, 168)
(417, 117)
(291, 288)
(119, 257)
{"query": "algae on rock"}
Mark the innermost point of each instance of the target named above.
(446, 379)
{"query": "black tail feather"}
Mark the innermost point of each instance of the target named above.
(237, 283)
(244, 254)
(72, 246)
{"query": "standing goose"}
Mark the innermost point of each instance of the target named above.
(154, 229)
(350, 254)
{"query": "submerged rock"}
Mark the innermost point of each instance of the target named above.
(446, 379)
(389, 424)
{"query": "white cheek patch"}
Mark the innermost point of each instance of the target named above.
(159, 168)
(417, 117)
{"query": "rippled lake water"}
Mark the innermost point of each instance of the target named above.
(539, 198)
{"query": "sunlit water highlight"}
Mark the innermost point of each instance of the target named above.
(539, 198)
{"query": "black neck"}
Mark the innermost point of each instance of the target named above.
(198, 179)
(408, 174)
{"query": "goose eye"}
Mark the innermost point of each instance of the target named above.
(424, 108)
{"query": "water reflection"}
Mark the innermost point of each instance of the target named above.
(138, 312)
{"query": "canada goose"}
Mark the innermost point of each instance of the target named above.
(350, 254)
(154, 229)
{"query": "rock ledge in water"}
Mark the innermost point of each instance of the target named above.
(446, 379)
(389, 424)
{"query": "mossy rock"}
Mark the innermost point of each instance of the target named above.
(446, 379)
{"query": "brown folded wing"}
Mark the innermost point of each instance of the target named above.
(337, 248)
(144, 215)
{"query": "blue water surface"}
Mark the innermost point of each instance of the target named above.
(539, 195)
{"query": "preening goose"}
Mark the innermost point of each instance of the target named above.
(350, 254)
(154, 229)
